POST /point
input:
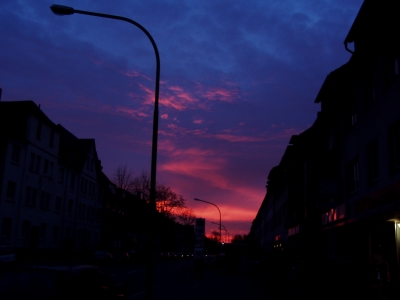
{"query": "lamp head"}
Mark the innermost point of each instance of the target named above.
(61, 10)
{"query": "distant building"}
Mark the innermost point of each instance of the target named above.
(49, 182)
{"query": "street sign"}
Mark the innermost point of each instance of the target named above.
(199, 230)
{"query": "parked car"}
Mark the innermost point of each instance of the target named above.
(121, 256)
(102, 256)
(58, 282)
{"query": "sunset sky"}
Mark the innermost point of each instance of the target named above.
(238, 79)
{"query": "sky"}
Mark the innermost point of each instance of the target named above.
(238, 79)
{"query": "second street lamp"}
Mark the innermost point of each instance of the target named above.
(66, 10)
(197, 199)
(226, 231)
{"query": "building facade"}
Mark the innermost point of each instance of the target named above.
(49, 188)
(342, 175)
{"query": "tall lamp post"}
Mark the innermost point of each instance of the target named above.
(197, 199)
(65, 10)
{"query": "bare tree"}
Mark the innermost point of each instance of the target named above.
(186, 216)
(123, 178)
(141, 186)
(215, 235)
(239, 239)
(167, 201)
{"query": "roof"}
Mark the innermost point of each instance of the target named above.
(375, 19)
(14, 116)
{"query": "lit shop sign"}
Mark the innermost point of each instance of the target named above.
(334, 214)
(293, 230)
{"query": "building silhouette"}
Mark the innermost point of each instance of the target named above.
(50, 187)
(336, 191)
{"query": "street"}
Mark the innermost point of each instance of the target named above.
(175, 279)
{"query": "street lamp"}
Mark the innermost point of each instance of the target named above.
(65, 10)
(197, 199)
(224, 229)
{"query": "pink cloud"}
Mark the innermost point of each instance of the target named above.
(132, 74)
(197, 121)
(174, 97)
(137, 114)
(164, 116)
(228, 212)
(219, 94)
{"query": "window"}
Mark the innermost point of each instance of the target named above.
(11, 190)
(84, 211)
(51, 142)
(89, 213)
(58, 204)
(80, 210)
(32, 162)
(82, 184)
(43, 229)
(56, 230)
(68, 233)
(351, 115)
(37, 166)
(92, 188)
(44, 200)
(352, 176)
(394, 146)
(46, 167)
(70, 206)
(372, 156)
(393, 69)
(15, 154)
(369, 91)
(51, 168)
(30, 197)
(6, 229)
(61, 174)
(39, 130)
(72, 183)
(26, 228)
